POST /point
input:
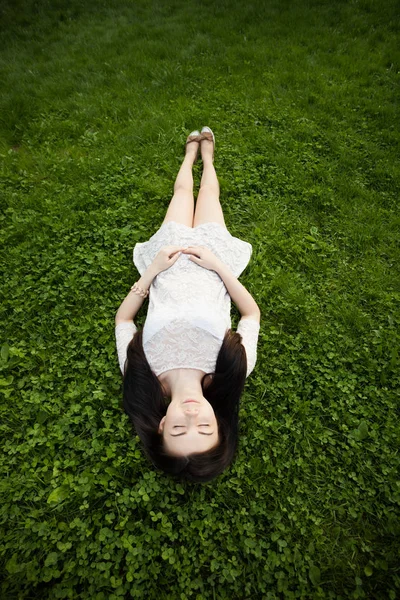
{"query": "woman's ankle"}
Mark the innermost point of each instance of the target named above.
(208, 159)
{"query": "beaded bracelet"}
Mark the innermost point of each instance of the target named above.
(138, 290)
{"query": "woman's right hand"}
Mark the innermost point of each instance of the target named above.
(166, 257)
(203, 257)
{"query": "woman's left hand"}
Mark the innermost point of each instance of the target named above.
(167, 256)
(203, 257)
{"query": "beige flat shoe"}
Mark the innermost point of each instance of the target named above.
(194, 137)
(207, 134)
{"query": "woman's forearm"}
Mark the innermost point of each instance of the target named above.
(244, 301)
(131, 304)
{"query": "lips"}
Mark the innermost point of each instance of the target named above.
(196, 401)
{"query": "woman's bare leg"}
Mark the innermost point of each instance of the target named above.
(181, 207)
(208, 207)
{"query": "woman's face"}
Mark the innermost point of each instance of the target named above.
(189, 426)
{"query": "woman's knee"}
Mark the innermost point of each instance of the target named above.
(183, 188)
(209, 187)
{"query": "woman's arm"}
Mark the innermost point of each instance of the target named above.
(244, 301)
(246, 304)
(166, 257)
(131, 304)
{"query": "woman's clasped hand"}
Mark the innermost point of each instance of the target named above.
(202, 256)
(166, 257)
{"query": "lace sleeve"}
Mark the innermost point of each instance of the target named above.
(249, 329)
(124, 332)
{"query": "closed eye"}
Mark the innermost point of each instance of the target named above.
(184, 432)
(201, 425)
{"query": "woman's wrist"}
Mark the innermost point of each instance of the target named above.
(222, 269)
(152, 271)
(146, 279)
(135, 298)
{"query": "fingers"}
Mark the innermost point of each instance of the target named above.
(175, 258)
(193, 250)
(171, 250)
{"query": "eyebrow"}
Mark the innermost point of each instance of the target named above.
(184, 433)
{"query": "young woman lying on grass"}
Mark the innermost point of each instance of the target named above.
(187, 351)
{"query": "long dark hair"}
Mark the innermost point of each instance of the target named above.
(145, 402)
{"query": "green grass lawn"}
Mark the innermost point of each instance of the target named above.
(97, 99)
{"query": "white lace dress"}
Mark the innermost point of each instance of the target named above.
(189, 306)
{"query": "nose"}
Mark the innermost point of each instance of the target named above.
(191, 410)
